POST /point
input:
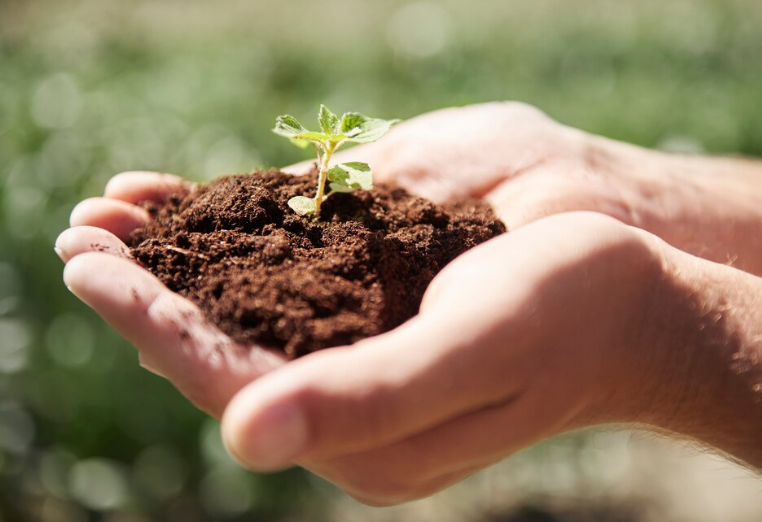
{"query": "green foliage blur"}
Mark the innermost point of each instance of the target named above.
(89, 89)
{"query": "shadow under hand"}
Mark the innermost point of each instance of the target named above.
(571, 513)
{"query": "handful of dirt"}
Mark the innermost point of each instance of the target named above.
(264, 275)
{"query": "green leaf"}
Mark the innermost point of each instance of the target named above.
(350, 176)
(351, 123)
(302, 205)
(371, 130)
(329, 122)
(338, 187)
(288, 126)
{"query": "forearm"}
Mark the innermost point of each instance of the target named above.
(708, 206)
(701, 357)
(727, 211)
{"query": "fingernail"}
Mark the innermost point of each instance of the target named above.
(59, 253)
(274, 439)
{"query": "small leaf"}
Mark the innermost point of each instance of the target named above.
(302, 205)
(357, 166)
(371, 130)
(337, 187)
(350, 176)
(337, 174)
(329, 122)
(351, 123)
(288, 126)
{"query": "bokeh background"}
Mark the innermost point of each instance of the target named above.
(90, 88)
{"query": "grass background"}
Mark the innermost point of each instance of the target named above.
(90, 88)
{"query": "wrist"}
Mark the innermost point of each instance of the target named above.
(718, 208)
(632, 369)
(706, 206)
(695, 364)
(715, 390)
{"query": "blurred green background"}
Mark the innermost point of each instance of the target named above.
(91, 88)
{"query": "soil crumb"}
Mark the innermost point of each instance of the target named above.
(265, 275)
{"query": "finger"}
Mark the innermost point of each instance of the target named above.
(78, 240)
(432, 460)
(554, 188)
(384, 493)
(136, 187)
(348, 400)
(118, 217)
(170, 333)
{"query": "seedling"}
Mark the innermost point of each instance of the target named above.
(352, 127)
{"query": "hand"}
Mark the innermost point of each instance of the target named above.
(529, 166)
(542, 168)
(528, 335)
(171, 335)
(169, 332)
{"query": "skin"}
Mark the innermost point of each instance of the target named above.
(610, 302)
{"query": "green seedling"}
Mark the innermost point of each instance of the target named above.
(352, 127)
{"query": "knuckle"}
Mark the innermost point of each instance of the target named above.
(360, 419)
(515, 109)
(375, 414)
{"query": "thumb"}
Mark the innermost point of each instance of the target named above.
(379, 391)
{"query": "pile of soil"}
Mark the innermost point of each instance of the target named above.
(265, 275)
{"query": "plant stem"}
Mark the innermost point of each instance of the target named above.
(328, 150)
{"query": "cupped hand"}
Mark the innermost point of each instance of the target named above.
(529, 166)
(170, 333)
(525, 336)
(480, 373)
(521, 161)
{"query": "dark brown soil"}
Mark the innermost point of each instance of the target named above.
(264, 275)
